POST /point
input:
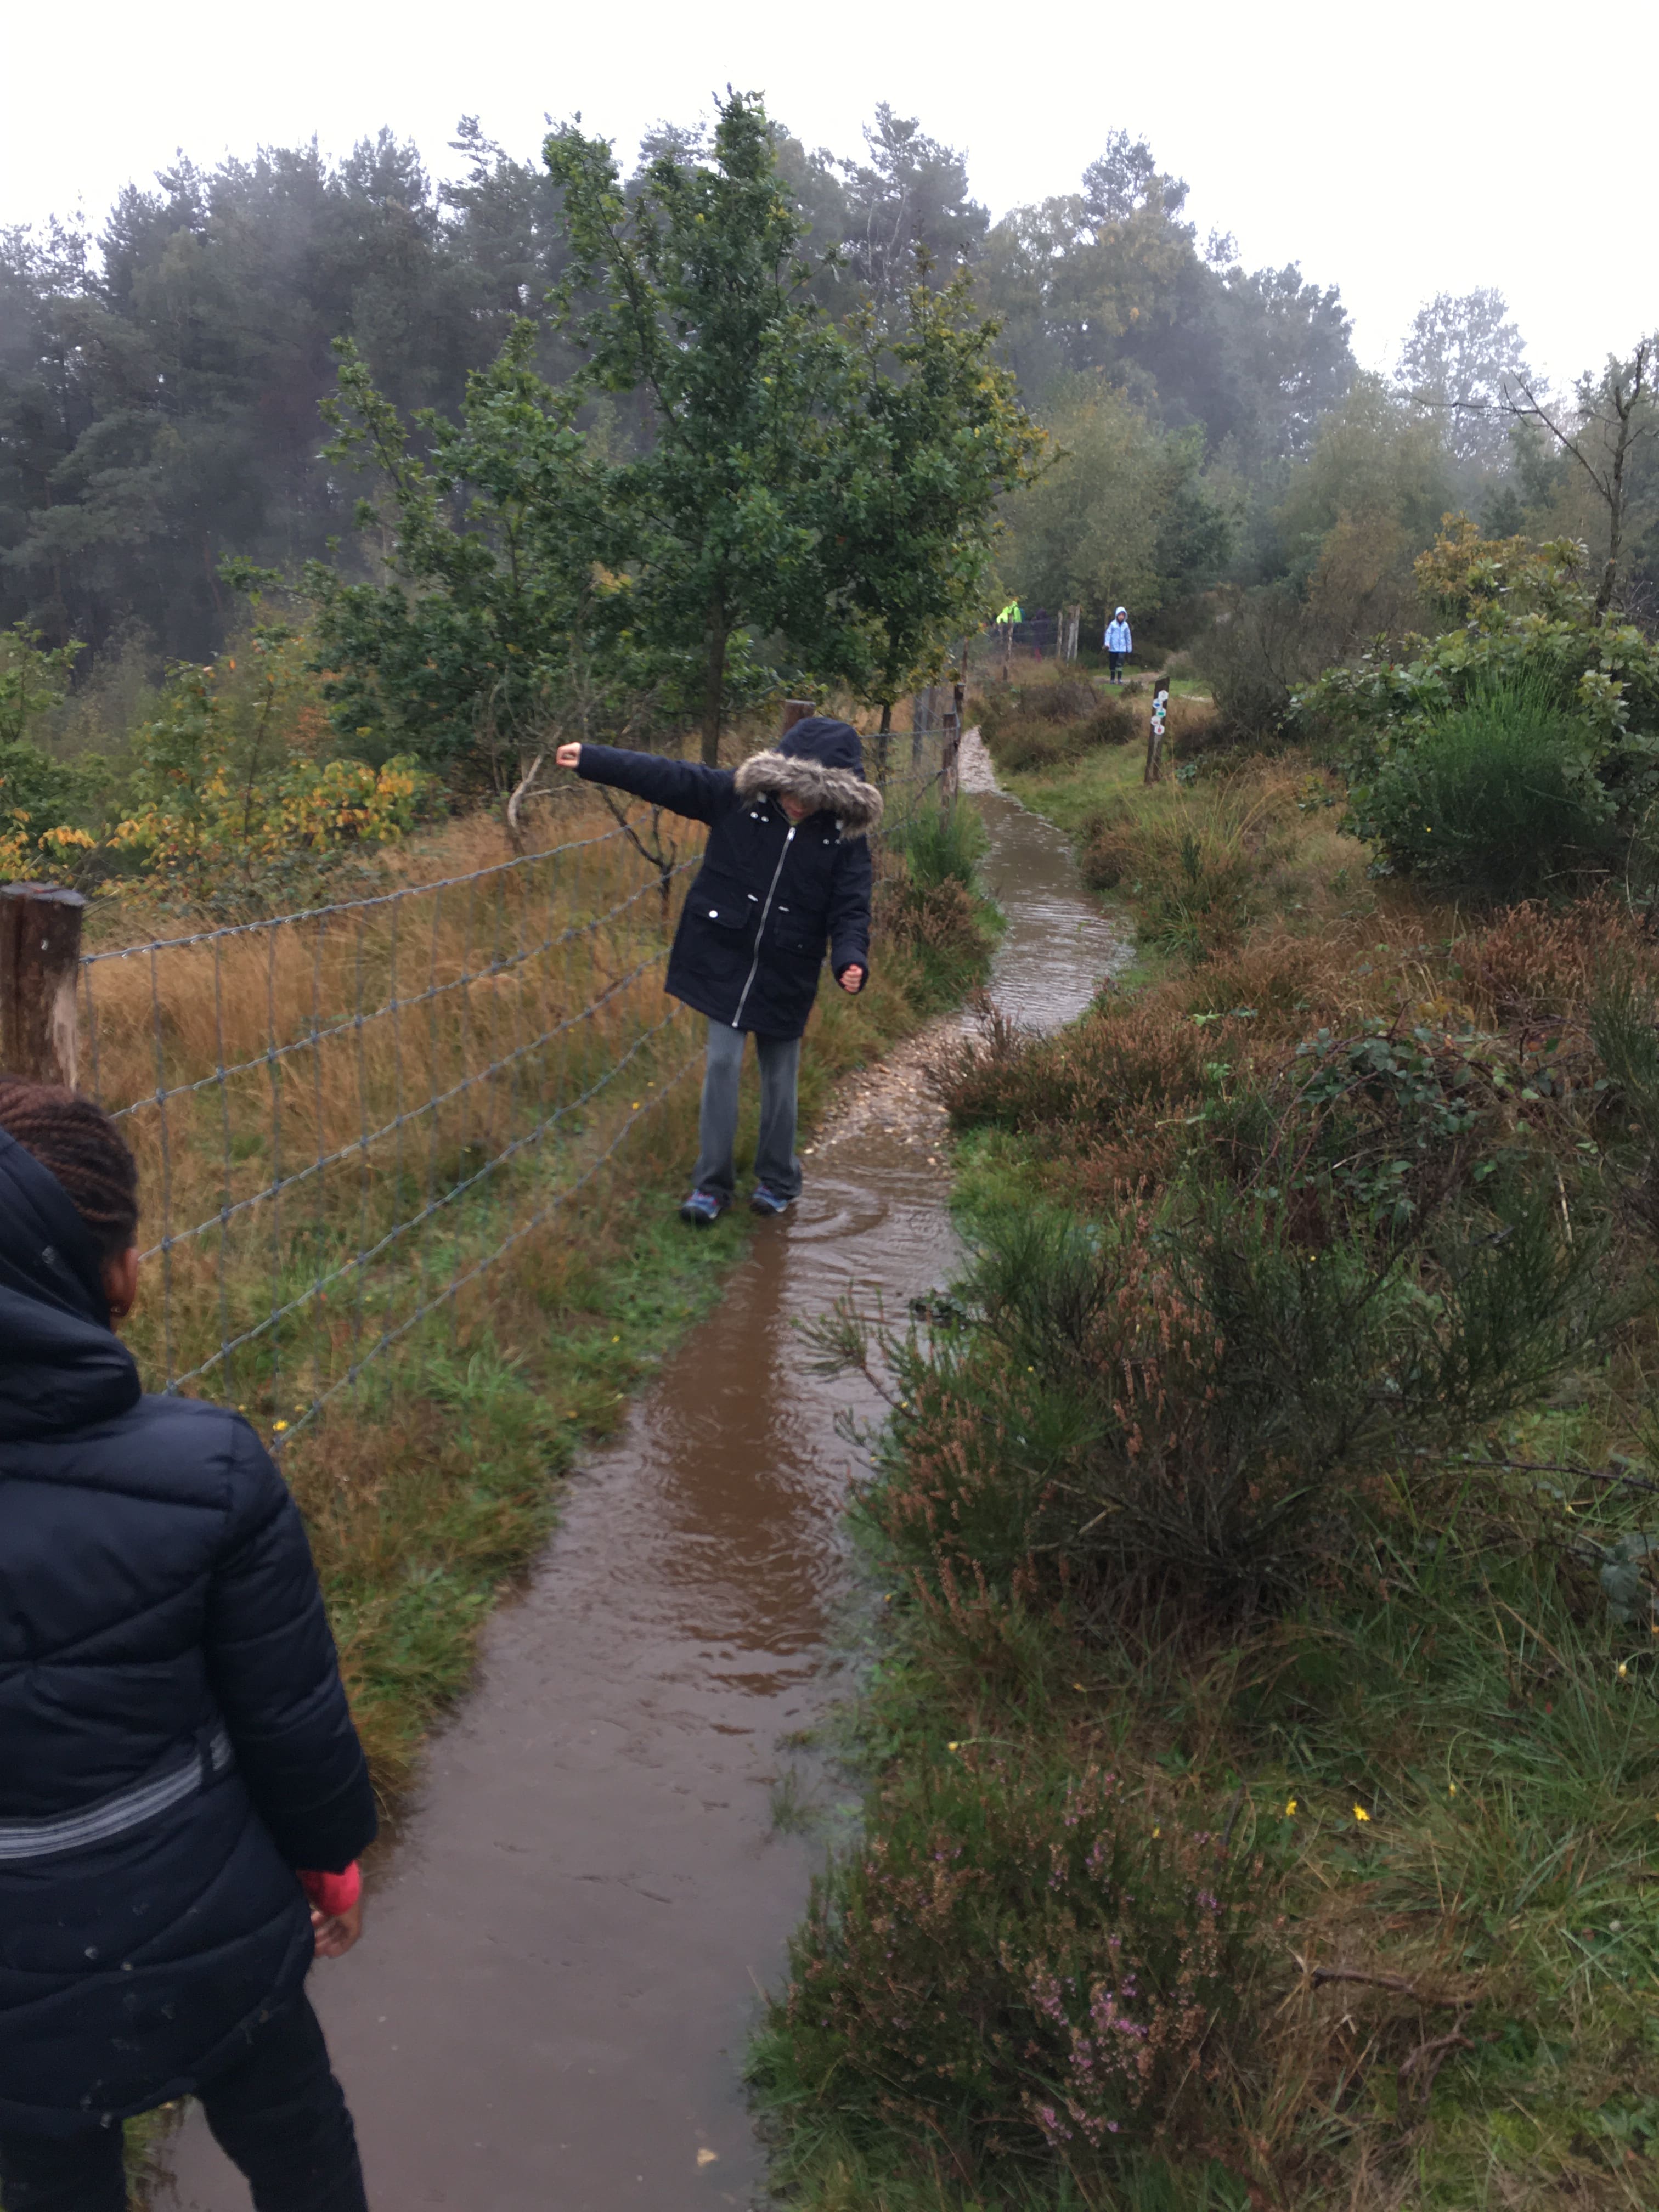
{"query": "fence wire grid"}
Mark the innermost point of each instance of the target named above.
(343, 1117)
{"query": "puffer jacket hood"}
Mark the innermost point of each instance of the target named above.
(821, 764)
(61, 1364)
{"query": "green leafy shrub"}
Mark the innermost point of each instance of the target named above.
(1498, 795)
(1028, 1966)
(1527, 739)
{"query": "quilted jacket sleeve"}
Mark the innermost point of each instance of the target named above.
(849, 907)
(271, 1657)
(683, 786)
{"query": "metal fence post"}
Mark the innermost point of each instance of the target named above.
(39, 965)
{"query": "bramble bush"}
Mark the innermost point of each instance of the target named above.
(1027, 1965)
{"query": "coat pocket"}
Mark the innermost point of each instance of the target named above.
(725, 909)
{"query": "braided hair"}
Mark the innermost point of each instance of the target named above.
(79, 1144)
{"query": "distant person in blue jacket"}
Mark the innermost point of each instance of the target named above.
(787, 874)
(174, 1742)
(1119, 644)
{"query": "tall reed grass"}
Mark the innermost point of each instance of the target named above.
(337, 1113)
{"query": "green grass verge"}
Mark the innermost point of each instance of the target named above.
(1438, 1767)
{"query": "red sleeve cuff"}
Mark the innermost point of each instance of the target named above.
(333, 1894)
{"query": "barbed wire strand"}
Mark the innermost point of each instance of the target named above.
(516, 1077)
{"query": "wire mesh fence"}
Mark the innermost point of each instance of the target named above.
(344, 1117)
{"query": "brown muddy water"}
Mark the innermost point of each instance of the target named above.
(563, 1960)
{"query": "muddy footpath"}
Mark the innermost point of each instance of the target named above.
(564, 1957)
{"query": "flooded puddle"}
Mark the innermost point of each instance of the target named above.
(563, 1960)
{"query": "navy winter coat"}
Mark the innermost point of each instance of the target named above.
(161, 1625)
(770, 893)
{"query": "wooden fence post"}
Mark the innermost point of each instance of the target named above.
(796, 710)
(39, 966)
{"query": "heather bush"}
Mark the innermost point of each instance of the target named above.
(1199, 876)
(1178, 1400)
(1027, 1966)
(1540, 963)
(1035, 726)
(1314, 1253)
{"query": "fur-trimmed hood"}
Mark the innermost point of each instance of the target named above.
(855, 804)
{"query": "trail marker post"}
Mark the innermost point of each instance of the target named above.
(39, 965)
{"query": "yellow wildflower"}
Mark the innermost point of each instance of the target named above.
(1360, 1814)
(1290, 1808)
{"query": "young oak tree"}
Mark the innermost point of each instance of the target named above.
(698, 302)
(498, 628)
(832, 487)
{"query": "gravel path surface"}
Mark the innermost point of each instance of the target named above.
(894, 1095)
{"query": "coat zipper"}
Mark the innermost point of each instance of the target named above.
(743, 997)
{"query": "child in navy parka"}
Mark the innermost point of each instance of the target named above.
(786, 875)
(175, 1745)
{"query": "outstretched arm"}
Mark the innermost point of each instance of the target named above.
(683, 787)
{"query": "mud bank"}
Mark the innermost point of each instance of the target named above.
(562, 1960)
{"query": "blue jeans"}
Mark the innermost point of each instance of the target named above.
(275, 2109)
(775, 1164)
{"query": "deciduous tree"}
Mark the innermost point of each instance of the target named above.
(692, 290)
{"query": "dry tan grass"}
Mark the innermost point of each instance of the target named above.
(300, 1093)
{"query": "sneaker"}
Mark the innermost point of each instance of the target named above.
(768, 1203)
(703, 1208)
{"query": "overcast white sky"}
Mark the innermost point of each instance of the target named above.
(1434, 145)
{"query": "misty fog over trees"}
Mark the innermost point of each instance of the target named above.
(160, 380)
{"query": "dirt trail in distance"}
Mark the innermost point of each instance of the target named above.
(563, 1959)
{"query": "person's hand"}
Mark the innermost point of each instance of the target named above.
(851, 978)
(568, 756)
(334, 1933)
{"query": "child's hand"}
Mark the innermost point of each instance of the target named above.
(851, 978)
(334, 1933)
(569, 756)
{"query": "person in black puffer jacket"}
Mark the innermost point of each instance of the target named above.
(174, 1739)
(786, 873)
